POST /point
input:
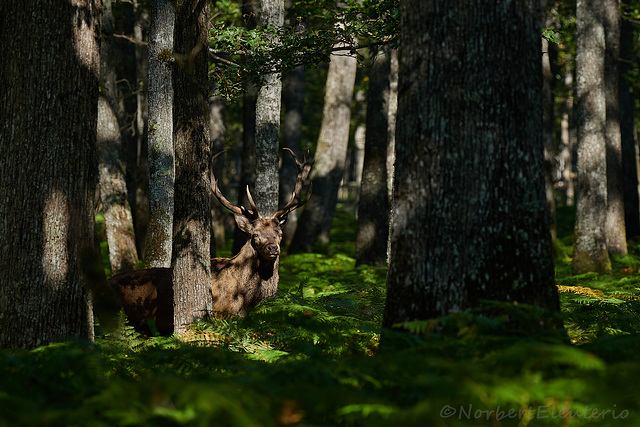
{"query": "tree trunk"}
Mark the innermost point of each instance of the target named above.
(627, 135)
(113, 192)
(192, 216)
(469, 218)
(160, 135)
(293, 100)
(317, 217)
(548, 131)
(615, 226)
(567, 138)
(49, 85)
(248, 153)
(590, 244)
(113, 187)
(268, 123)
(141, 200)
(373, 207)
(217, 134)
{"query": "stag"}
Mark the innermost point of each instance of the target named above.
(237, 283)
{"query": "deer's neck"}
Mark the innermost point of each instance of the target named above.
(267, 270)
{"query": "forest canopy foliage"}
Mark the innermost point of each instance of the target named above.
(241, 53)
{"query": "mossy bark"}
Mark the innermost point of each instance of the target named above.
(192, 216)
(590, 243)
(160, 146)
(469, 220)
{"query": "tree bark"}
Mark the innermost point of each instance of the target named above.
(628, 135)
(615, 227)
(373, 207)
(548, 131)
(268, 122)
(293, 100)
(248, 151)
(160, 135)
(469, 219)
(113, 186)
(217, 134)
(141, 200)
(49, 85)
(317, 217)
(590, 243)
(113, 193)
(192, 216)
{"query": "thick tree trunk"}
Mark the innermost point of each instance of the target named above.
(268, 123)
(317, 217)
(113, 187)
(49, 85)
(590, 244)
(160, 135)
(373, 207)
(615, 226)
(192, 216)
(469, 218)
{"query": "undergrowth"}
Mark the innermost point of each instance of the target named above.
(314, 356)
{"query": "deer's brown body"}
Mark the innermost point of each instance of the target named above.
(237, 283)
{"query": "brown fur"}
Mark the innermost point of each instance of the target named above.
(237, 283)
(146, 295)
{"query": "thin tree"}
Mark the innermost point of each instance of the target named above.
(373, 207)
(548, 129)
(268, 121)
(469, 218)
(49, 85)
(218, 137)
(113, 187)
(293, 104)
(627, 134)
(141, 189)
(590, 243)
(315, 222)
(615, 225)
(248, 149)
(160, 135)
(192, 216)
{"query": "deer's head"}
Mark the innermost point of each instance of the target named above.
(266, 233)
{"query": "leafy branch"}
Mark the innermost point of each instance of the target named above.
(240, 54)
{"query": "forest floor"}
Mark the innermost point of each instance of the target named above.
(313, 357)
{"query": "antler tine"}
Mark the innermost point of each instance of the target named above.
(227, 204)
(304, 168)
(254, 210)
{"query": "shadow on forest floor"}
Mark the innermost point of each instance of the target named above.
(312, 357)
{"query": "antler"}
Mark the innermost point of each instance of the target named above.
(304, 168)
(227, 204)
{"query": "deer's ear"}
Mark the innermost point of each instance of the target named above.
(244, 223)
